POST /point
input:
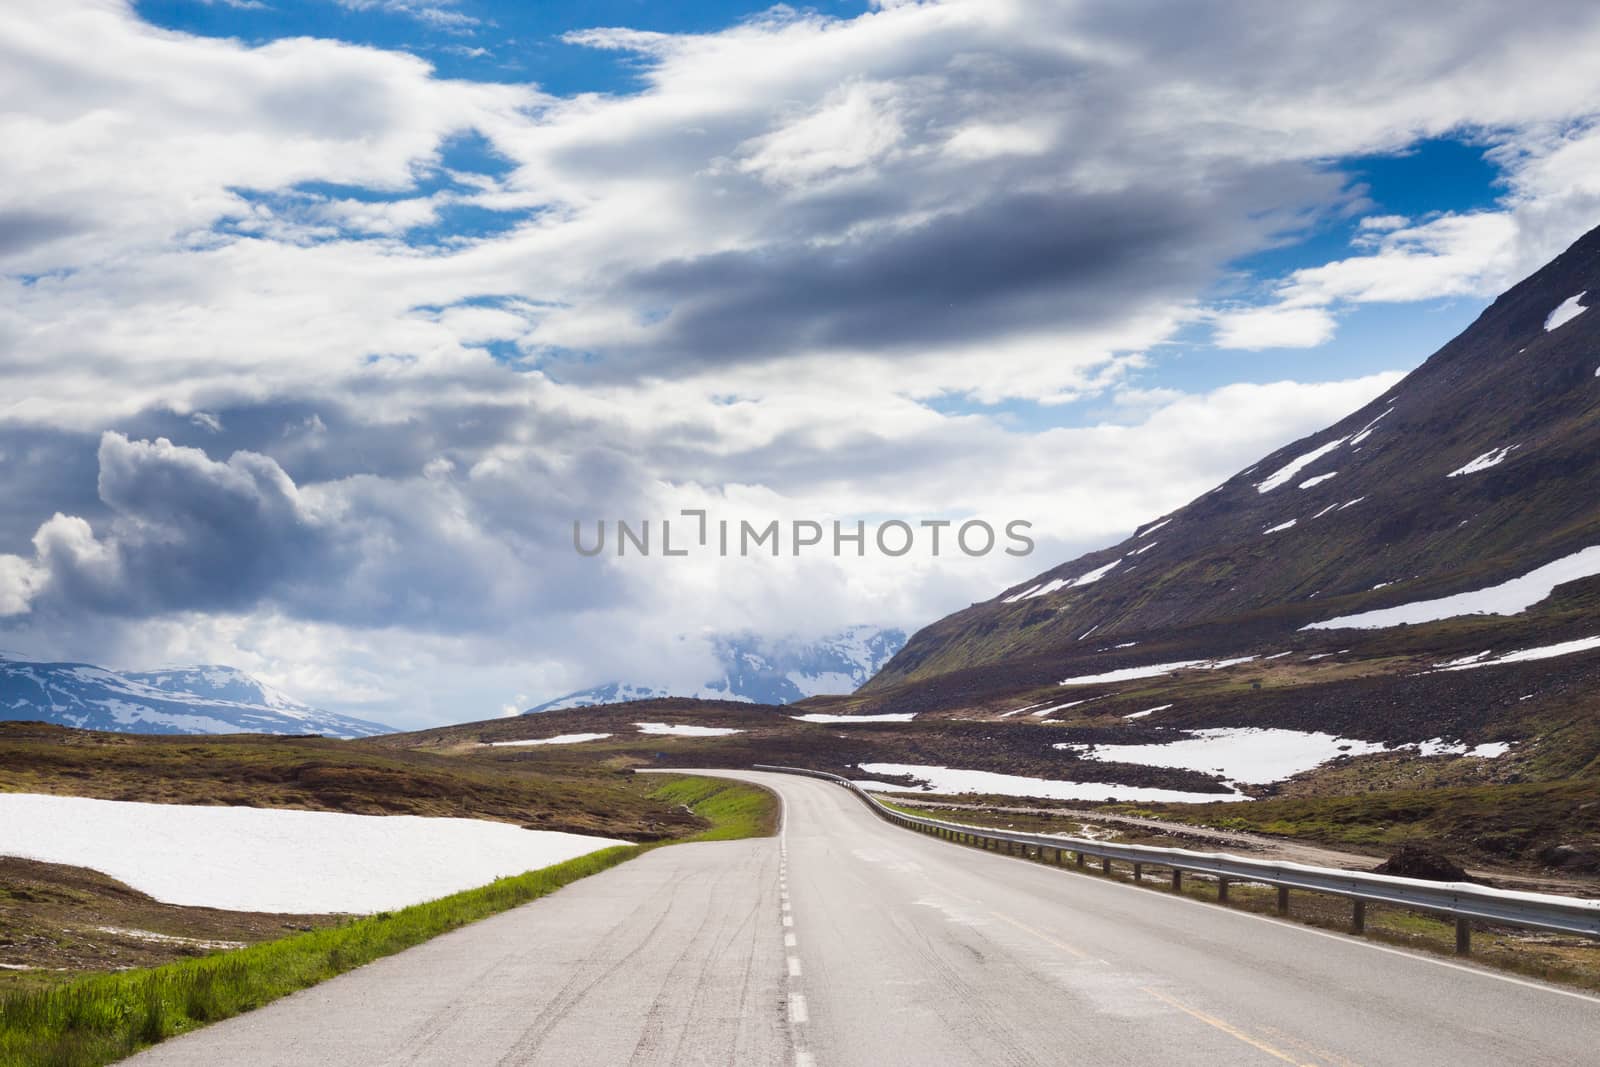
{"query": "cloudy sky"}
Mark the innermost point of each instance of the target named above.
(321, 321)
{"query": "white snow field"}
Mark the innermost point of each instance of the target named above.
(1485, 659)
(680, 730)
(1262, 755)
(1245, 754)
(1438, 746)
(847, 719)
(1507, 598)
(1565, 312)
(1145, 713)
(1287, 472)
(1491, 458)
(274, 860)
(1056, 584)
(952, 780)
(1154, 670)
(559, 739)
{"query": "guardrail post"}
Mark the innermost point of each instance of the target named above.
(1358, 917)
(1222, 890)
(1283, 900)
(1463, 936)
(1105, 864)
(1138, 871)
(1080, 859)
(1177, 880)
(1061, 857)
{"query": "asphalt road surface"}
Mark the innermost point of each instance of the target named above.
(850, 941)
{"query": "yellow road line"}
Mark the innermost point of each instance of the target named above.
(1230, 1030)
(1042, 936)
(1210, 1020)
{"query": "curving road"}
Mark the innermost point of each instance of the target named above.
(849, 941)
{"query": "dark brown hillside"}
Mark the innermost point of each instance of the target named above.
(1377, 519)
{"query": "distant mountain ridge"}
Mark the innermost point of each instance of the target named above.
(764, 671)
(1479, 467)
(206, 699)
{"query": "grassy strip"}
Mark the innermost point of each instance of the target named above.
(103, 1018)
(735, 809)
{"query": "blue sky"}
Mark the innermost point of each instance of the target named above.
(323, 320)
(519, 42)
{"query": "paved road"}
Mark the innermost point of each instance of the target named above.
(672, 958)
(849, 941)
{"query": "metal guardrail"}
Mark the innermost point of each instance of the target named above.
(1462, 901)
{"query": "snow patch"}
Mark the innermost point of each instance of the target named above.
(1318, 479)
(1526, 655)
(847, 719)
(1438, 746)
(1366, 430)
(1088, 578)
(1283, 475)
(1146, 711)
(1148, 530)
(1565, 312)
(1042, 712)
(953, 780)
(1484, 462)
(1279, 528)
(1507, 598)
(559, 739)
(1240, 754)
(277, 860)
(680, 730)
(1154, 670)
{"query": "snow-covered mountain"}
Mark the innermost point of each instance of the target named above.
(193, 700)
(765, 671)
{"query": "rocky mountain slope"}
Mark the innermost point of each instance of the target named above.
(194, 700)
(764, 671)
(1481, 467)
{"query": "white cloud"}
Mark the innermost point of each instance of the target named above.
(19, 580)
(984, 140)
(1274, 327)
(855, 126)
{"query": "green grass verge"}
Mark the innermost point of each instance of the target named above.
(103, 1018)
(735, 809)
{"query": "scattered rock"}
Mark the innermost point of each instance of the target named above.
(1422, 861)
(1578, 859)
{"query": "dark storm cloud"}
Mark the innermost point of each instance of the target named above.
(1006, 265)
(22, 230)
(44, 470)
(185, 532)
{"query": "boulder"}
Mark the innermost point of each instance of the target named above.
(1422, 861)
